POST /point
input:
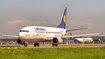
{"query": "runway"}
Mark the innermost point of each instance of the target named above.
(67, 45)
(60, 45)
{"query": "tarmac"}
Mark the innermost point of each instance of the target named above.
(60, 45)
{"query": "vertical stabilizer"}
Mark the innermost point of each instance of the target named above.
(63, 21)
(72, 35)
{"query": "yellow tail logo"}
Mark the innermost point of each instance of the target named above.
(64, 18)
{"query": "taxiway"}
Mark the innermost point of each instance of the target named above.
(60, 45)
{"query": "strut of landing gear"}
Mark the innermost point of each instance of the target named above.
(54, 45)
(25, 44)
(36, 44)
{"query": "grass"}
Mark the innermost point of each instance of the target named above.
(53, 53)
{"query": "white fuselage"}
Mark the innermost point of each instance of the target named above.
(84, 39)
(38, 34)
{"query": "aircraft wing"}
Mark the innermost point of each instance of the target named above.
(10, 36)
(75, 29)
(83, 35)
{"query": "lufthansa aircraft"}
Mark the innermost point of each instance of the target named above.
(36, 34)
(81, 40)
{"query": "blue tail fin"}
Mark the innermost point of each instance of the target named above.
(63, 22)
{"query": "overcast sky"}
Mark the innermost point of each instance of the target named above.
(15, 14)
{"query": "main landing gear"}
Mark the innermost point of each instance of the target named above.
(54, 45)
(36, 44)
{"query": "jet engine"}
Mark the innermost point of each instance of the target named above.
(19, 41)
(57, 40)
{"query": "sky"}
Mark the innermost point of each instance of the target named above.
(16, 14)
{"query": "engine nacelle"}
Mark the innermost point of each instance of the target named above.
(57, 40)
(19, 41)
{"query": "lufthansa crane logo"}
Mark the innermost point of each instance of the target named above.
(64, 18)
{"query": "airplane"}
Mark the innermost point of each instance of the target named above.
(81, 40)
(36, 34)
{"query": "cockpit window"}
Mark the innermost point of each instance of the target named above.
(24, 30)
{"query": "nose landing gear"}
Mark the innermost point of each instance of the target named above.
(25, 44)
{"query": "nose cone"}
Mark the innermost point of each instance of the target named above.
(21, 35)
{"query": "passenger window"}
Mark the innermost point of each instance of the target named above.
(30, 31)
(27, 31)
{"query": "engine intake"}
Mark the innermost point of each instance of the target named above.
(19, 41)
(57, 40)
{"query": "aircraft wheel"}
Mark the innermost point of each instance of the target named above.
(53, 45)
(25, 44)
(56, 45)
(38, 44)
(34, 45)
